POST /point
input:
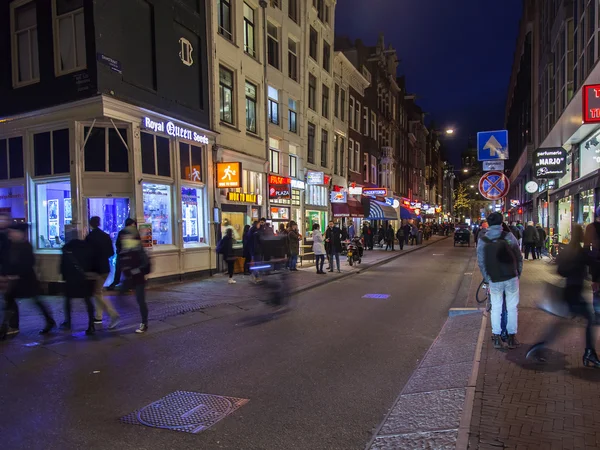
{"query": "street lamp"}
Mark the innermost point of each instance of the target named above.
(472, 186)
(450, 131)
(466, 170)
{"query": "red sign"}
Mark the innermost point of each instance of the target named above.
(326, 180)
(494, 185)
(591, 103)
(276, 179)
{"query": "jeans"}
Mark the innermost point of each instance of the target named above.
(331, 260)
(530, 248)
(538, 251)
(319, 261)
(293, 262)
(389, 243)
(497, 292)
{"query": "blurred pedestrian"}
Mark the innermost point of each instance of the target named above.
(541, 240)
(530, 238)
(102, 249)
(351, 232)
(5, 221)
(335, 247)
(293, 247)
(118, 271)
(592, 245)
(328, 232)
(318, 248)
(572, 264)
(246, 253)
(389, 237)
(225, 248)
(400, 236)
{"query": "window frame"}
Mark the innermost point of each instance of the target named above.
(293, 56)
(273, 103)
(366, 121)
(351, 112)
(351, 154)
(9, 179)
(228, 35)
(35, 184)
(324, 147)
(326, 63)
(107, 150)
(373, 125)
(343, 105)
(204, 235)
(325, 101)
(314, 57)
(184, 181)
(292, 111)
(357, 150)
(293, 173)
(276, 40)
(56, 39)
(160, 178)
(15, 48)
(357, 117)
(293, 6)
(312, 92)
(52, 174)
(231, 93)
(310, 144)
(274, 160)
(255, 102)
(249, 24)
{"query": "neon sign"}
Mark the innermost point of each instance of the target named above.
(174, 130)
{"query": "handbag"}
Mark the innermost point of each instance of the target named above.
(552, 301)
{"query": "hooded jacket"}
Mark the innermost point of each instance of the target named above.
(494, 232)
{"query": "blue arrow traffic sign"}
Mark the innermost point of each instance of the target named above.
(492, 145)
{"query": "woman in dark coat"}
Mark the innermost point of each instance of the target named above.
(23, 282)
(246, 250)
(136, 265)
(293, 245)
(227, 252)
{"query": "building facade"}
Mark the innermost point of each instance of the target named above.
(103, 119)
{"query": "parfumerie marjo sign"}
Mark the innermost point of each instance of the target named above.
(174, 130)
(550, 162)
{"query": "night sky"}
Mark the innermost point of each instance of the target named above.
(456, 54)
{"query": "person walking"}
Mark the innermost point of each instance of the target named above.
(246, 250)
(102, 249)
(22, 281)
(136, 265)
(225, 248)
(407, 229)
(257, 237)
(501, 264)
(118, 271)
(328, 232)
(414, 235)
(521, 229)
(530, 238)
(318, 248)
(335, 247)
(572, 264)
(539, 245)
(516, 232)
(5, 221)
(389, 237)
(591, 243)
(400, 236)
(75, 265)
(293, 238)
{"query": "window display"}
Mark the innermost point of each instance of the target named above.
(590, 155)
(312, 217)
(586, 207)
(280, 213)
(157, 211)
(53, 213)
(112, 212)
(564, 220)
(316, 195)
(12, 202)
(192, 217)
(236, 221)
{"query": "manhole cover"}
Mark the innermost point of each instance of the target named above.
(376, 296)
(190, 412)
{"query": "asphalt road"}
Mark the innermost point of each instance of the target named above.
(320, 377)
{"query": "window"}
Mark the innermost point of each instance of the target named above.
(25, 57)
(190, 162)
(157, 211)
(366, 121)
(54, 211)
(324, 139)
(373, 169)
(105, 151)
(350, 154)
(192, 216)
(249, 42)
(273, 45)
(312, 92)
(342, 143)
(313, 43)
(69, 36)
(273, 105)
(365, 170)
(343, 106)
(351, 112)
(156, 159)
(336, 101)
(326, 56)
(274, 160)
(373, 125)
(292, 59)
(357, 157)
(275, 4)
(224, 17)
(51, 153)
(250, 107)
(310, 157)
(357, 120)
(293, 166)
(325, 101)
(293, 10)
(11, 160)
(326, 13)
(12, 201)
(292, 116)
(226, 94)
(336, 154)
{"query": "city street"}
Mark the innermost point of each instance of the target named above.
(322, 376)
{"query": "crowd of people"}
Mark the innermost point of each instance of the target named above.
(85, 268)
(501, 250)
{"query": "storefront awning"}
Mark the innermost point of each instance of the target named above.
(585, 183)
(407, 214)
(351, 209)
(375, 210)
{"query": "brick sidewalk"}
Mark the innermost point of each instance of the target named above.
(523, 405)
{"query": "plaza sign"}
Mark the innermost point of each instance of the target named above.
(280, 187)
(550, 162)
(174, 130)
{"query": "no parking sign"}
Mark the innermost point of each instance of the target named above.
(494, 185)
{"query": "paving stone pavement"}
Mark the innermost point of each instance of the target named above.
(523, 405)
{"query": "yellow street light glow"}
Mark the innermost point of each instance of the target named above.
(449, 131)
(465, 170)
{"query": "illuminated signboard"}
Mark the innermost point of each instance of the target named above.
(280, 187)
(550, 162)
(394, 203)
(276, 179)
(241, 197)
(339, 197)
(415, 205)
(375, 192)
(174, 130)
(297, 184)
(514, 203)
(229, 174)
(355, 190)
(531, 187)
(591, 103)
(313, 177)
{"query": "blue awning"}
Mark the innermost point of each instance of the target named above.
(406, 213)
(375, 210)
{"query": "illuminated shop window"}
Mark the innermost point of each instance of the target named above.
(192, 216)
(54, 212)
(157, 211)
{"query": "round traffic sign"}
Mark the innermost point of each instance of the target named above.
(494, 185)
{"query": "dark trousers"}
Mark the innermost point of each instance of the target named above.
(118, 272)
(581, 309)
(11, 311)
(247, 260)
(140, 297)
(401, 243)
(538, 251)
(319, 261)
(530, 248)
(389, 243)
(230, 264)
(89, 306)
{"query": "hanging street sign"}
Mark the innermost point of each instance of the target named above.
(494, 185)
(550, 162)
(492, 145)
(493, 165)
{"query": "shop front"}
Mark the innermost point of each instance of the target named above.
(280, 199)
(316, 201)
(106, 158)
(297, 209)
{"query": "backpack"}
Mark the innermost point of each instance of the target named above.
(220, 247)
(499, 259)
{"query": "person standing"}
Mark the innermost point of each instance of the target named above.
(400, 236)
(328, 243)
(407, 229)
(118, 271)
(293, 238)
(318, 248)
(102, 249)
(246, 250)
(335, 247)
(530, 238)
(539, 245)
(22, 281)
(351, 232)
(226, 249)
(75, 264)
(381, 236)
(389, 237)
(501, 264)
(591, 243)
(5, 220)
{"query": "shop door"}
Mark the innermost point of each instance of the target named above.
(113, 211)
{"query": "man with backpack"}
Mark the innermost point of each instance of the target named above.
(501, 263)
(102, 250)
(591, 242)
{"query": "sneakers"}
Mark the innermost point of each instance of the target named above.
(48, 327)
(232, 281)
(114, 322)
(12, 331)
(97, 321)
(512, 341)
(142, 329)
(497, 339)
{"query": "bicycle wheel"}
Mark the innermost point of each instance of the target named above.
(482, 293)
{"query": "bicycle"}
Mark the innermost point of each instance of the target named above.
(483, 296)
(552, 247)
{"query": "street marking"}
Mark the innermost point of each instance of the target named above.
(438, 254)
(375, 296)
(468, 273)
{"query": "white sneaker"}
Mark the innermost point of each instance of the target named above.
(232, 281)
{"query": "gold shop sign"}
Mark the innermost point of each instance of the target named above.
(241, 197)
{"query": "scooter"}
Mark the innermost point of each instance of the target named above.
(355, 251)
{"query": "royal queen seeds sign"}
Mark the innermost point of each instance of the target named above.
(550, 162)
